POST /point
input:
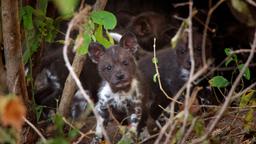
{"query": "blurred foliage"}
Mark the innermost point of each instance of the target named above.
(12, 111)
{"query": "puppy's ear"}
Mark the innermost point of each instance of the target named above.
(95, 51)
(129, 42)
(141, 26)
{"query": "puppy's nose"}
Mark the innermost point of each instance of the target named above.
(120, 76)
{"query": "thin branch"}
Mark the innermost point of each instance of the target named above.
(158, 75)
(205, 29)
(35, 129)
(251, 2)
(191, 53)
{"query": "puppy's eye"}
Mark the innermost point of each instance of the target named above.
(198, 49)
(125, 62)
(108, 67)
(182, 51)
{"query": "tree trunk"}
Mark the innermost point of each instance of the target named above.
(3, 86)
(15, 76)
(12, 49)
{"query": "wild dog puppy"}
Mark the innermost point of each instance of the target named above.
(149, 25)
(123, 88)
(174, 66)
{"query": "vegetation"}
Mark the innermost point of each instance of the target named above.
(25, 35)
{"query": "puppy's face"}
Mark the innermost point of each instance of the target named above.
(116, 65)
(183, 55)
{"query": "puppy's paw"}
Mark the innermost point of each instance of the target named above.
(97, 140)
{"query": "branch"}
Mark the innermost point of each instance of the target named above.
(35, 129)
(191, 54)
(13, 49)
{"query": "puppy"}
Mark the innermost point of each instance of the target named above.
(174, 67)
(123, 88)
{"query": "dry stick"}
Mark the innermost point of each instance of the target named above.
(241, 51)
(35, 129)
(162, 132)
(191, 53)
(229, 97)
(76, 79)
(205, 29)
(158, 75)
(151, 137)
(251, 2)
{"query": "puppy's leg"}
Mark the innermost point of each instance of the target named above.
(101, 108)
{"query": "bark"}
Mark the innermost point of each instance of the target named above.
(12, 49)
(3, 86)
(70, 86)
(15, 76)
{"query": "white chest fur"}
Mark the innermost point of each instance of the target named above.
(120, 99)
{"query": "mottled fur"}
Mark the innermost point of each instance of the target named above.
(123, 89)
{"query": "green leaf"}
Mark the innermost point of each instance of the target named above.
(219, 82)
(242, 11)
(105, 18)
(84, 47)
(100, 38)
(199, 127)
(125, 140)
(59, 123)
(111, 40)
(73, 133)
(43, 5)
(245, 99)
(39, 110)
(58, 140)
(230, 59)
(247, 73)
(155, 77)
(228, 51)
(27, 20)
(154, 60)
(66, 7)
(31, 47)
(249, 120)
(89, 27)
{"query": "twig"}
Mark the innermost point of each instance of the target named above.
(251, 2)
(241, 51)
(191, 53)
(205, 29)
(158, 75)
(35, 129)
(229, 96)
